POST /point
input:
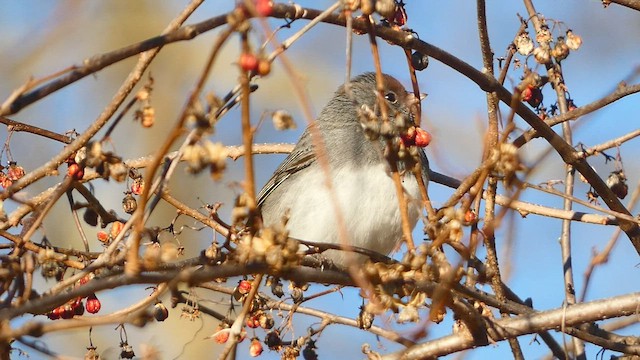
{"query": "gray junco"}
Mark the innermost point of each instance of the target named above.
(360, 174)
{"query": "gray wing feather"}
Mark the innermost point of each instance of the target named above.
(300, 158)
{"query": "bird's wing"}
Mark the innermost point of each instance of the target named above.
(297, 160)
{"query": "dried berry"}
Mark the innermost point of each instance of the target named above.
(138, 186)
(573, 41)
(364, 319)
(14, 172)
(419, 61)
(523, 43)
(126, 351)
(309, 351)
(266, 321)
(90, 216)
(543, 36)
(560, 51)
(147, 116)
(91, 354)
(160, 312)
(129, 203)
(282, 120)
(542, 54)
(273, 341)
(277, 288)
(617, 182)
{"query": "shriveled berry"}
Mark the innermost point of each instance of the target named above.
(419, 61)
(15, 171)
(90, 216)
(160, 312)
(129, 203)
(138, 186)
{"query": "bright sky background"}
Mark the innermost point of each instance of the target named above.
(44, 37)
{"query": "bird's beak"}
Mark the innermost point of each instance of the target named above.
(413, 100)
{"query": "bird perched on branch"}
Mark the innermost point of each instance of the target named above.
(351, 145)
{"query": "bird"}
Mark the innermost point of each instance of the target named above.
(361, 179)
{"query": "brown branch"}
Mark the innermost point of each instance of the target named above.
(16, 126)
(527, 324)
(621, 91)
(632, 4)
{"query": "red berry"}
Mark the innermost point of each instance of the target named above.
(138, 186)
(248, 62)
(103, 237)
(400, 16)
(470, 216)
(5, 182)
(78, 307)
(116, 227)
(255, 348)
(53, 314)
(75, 171)
(532, 95)
(67, 312)
(244, 286)
(423, 138)
(252, 321)
(221, 335)
(264, 7)
(85, 279)
(15, 171)
(93, 304)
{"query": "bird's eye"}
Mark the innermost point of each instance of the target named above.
(391, 97)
